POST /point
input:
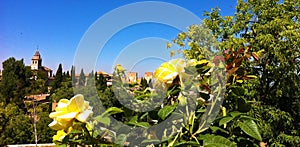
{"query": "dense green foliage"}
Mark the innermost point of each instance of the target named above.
(258, 50)
(16, 118)
(260, 45)
(15, 80)
(16, 127)
(270, 28)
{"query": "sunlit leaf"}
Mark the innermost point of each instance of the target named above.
(112, 110)
(235, 113)
(225, 120)
(166, 111)
(250, 128)
(104, 120)
(216, 141)
(186, 143)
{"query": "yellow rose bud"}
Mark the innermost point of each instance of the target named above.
(60, 135)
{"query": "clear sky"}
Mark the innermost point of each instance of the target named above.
(56, 27)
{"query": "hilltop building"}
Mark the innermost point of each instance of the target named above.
(36, 64)
(148, 76)
(107, 76)
(132, 77)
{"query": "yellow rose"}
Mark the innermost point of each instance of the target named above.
(69, 110)
(60, 135)
(168, 71)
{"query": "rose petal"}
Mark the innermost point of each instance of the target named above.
(60, 135)
(55, 125)
(76, 104)
(63, 101)
(82, 117)
(57, 113)
(178, 64)
(86, 105)
(168, 71)
(68, 116)
(62, 105)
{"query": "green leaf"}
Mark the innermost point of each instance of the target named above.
(113, 110)
(182, 99)
(134, 121)
(143, 124)
(250, 128)
(235, 113)
(121, 139)
(155, 141)
(190, 70)
(216, 141)
(201, 110)
(165, 111)
(247, 117)
(225, 120)
(239, 81)
(186, 143)
(215, 129)
(144, 115)
(104, 120)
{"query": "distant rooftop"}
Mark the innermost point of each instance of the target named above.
(37, 55)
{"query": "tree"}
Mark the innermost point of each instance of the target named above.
(15, 80)
(101, 82)
(16, 127)
(144, 83)
(81, 81)
(90, 80)
(271, 30)
(74, 80)
(18, 81)
(58, 78)
(38, 84)
(43, 132)
(68, 74)
(39, 115)
(65, 91)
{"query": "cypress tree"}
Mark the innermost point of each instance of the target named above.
(81, 81)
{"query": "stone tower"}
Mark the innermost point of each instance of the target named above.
(36, 61)
(132, 77)
(148, 76)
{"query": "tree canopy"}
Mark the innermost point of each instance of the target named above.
(269, 28)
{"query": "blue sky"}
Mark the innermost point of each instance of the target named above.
(57, 27)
